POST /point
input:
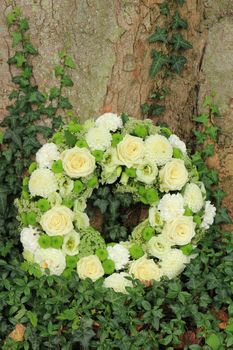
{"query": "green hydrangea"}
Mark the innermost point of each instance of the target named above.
(137, 233)
(24, 207)
(90, 241)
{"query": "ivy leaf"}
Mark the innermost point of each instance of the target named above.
(222, 216)
(178, 22)
(159, 60)
(20, 59)
(65, 103)
(212, 131)
(69, 62)
(67, 81)
(219, 194)
(180, 2)
(156, 109)
(54, 92)
(164, 9)
(177, 63)
(70, 138)
(178, 42)
(11, 17)
(16, 38)
(29, 48)
(23, 24)
(159, 35)
(59, 70)
(202, 118)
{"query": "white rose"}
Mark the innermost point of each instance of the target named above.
(81, 220)
(119, 254)
(147, 173)
(177, 143)
(42, 183)
(158, 149)
(131, 151)
(180, 231)
(52, 259)
(71, 243)
(173, 176)
(90, 267)
(78, 162)
(145, 269)
(47, 154)
(109, 121)
(57, 221)
(29, 238)
(171, 206)
(193, 197)
(173, 263)
(98, 138)
(118, 282)
(155, 219)
(209, 215)
(158, 246)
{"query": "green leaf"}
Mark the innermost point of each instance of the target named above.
(69, 62)
(11, 17)
(159, 60)
(214, 341)
(1, 137)
(219, 194)
(70, 138)
(32, 318)
(177, 63)
(159, 35)
(68, 314)
(178, 22)
(202, 118)
(178, 42)
(164, 9)
(29, 48)
(64, 103)
(156, 110)
(67, 81)
(59, 70)
(180, 2)
(222, 216)
(54, 92)
(20, 59)
(146, 305)
(16, 38)
(23, 24)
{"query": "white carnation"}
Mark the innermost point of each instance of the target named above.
(158, 149)
(147, 173)
(176, 142)
(98, 138)
(119, 254)
(109, 121)
(29, 238)
(171, 206)
(71, 243)
(52, 259)
(173, 263)
(209, 215)
(118, 282)
(193, 197)
(47, 154)
(42, 183)
(158, 246)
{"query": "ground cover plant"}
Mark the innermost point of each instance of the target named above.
(193, 311)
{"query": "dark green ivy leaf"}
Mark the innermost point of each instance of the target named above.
(164, 9)
(70, 138)
(159, 60)
(177, 63)
(178, 22)
(180, 2)
(159, 35)
(178, 42)
(156, 110)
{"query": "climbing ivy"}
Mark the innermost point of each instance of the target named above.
(170, 58)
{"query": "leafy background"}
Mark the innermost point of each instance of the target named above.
(192, 312)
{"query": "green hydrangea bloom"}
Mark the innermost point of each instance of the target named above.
(90, 241)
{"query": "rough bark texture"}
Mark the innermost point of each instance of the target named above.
(107, 39)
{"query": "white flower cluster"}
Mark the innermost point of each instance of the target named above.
(56, 231)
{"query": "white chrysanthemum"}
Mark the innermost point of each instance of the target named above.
(193, 197)
(176, 142)
(42, 183)
(209, 215)
(171, 206)
(131, 151)
(147, 173)
(180, 230)
(29, 238)
(173, 176)
(109, 121)
(173, 263)
(52, 259)
(158, 246)
(90, 267)
(47, 154)
(158, 149)
(155, 219)
(98, 138)
(119, 254)
(71, 243)
(118, 282)
(81, 220)
(145, 269)
(57, 221)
